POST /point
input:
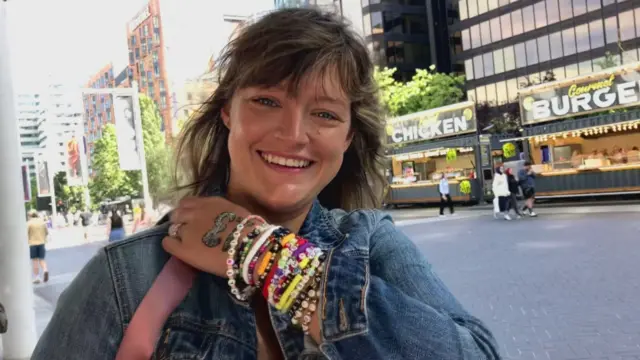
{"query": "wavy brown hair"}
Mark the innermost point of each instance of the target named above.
(285, 46)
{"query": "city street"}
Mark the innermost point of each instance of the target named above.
(564, 285)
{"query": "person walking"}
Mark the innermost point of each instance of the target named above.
(500, 189)
(115, 227)
(85, 219)
(142, 220)
(513, 189)
(527, 179)
(445, 196)
(37, 234)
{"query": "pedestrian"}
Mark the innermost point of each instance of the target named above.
(445, 196)
(513, 189)
(281, 163)
(37, 234)
(527, 180)
(115, 227)
(143, 220)
(500, 189)
(85, 220)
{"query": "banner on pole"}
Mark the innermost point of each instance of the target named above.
(42, 178)
(128, 152)
(26, 182)
(74, 163)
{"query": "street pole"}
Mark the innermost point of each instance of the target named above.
(137, 120)
(16, 291)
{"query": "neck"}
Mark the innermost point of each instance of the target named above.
(291, 220)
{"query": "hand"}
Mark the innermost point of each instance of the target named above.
(214, 217)
(444, 197)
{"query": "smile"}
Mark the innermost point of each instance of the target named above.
(285, 161)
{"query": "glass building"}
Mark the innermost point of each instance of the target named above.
(504, 45)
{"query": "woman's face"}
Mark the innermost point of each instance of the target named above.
(286, 148)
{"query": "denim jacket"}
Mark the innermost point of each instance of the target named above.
(380, 300)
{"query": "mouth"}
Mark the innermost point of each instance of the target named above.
(284, 162)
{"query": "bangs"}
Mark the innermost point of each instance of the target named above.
(272, 56)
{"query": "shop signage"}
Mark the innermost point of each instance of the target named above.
(508, 150)
(432, 124)
(140, 17)
(592, 93)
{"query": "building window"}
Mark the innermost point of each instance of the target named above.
(483, 6)
(509, 59)
(553, 14)
(366, 24)
(579, 7)
(156, 22)
(611, 29)
(516, 21)
(144, 47)
(566, 9)
(376, 23)
(137, 52)
(582, 38)
(501, 92)
(593, 5)
(495, 30)
(491, 93)
(475, 36)
(162, 88)
(485, 33)
(638, 22)
(163, 102)
(512, 89)
(498, 61)
(505, 24)
(133, 40)
(493, 4)
(466, 41)
(487, 59)
(627, 28)
(481, 94)
(608, 2)
(555, 41)
(543, 49)
(462, 6)
(527, 15)
(541, 15)
(468, 69)
(585, 68)
(473, 8)
(478, 67)
(521, 55)
(569, 42)
(596, 33)
(532, 52)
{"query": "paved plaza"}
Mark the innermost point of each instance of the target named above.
(565, 285)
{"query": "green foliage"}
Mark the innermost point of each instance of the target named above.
(110, 181)
(69, 196)
(158, 155)
(609, 61)
(32, 205)
(427, 89)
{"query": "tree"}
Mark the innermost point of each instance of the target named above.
(110, 181)
(427, 89)
(32, 204)
(609, 61)
(157, 154)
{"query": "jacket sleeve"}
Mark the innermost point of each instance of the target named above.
(403, 310)
(86, 323)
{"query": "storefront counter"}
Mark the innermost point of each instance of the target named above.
(611, 179)
(427, 192)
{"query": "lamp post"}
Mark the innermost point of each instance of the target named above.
(16, 291)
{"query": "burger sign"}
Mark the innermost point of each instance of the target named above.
(597, 92)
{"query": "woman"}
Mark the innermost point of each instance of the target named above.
(115, 227)
(500, 187)
(142, 219)
(292, 134)
(514, 188)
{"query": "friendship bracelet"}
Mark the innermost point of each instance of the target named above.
(254, 250)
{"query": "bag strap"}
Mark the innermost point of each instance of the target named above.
(167, 292)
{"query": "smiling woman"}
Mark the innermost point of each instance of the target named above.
(277, 252)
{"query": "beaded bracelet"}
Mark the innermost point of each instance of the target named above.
(254, 252)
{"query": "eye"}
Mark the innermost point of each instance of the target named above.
(326, 115)
(265, 102)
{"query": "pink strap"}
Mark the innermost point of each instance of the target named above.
(167, 292)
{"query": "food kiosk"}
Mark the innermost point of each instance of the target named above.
(427, 145)
(583, 134)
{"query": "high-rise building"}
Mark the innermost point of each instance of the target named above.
(504, 45)
(405, 34)
(31, 114)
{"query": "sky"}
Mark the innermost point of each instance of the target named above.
(67, 41)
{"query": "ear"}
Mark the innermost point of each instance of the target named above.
(348, 141)
(225, 114)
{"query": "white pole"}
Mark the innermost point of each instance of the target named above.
(137, 120)
(16, 292)
(54, 207)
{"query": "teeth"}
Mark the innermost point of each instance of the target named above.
(285, 161)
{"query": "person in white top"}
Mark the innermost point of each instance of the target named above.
(501, 192)
(445, 197)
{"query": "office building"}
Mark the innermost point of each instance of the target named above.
(31, 114)
(505, 45)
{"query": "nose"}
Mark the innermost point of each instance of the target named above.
(292, 127)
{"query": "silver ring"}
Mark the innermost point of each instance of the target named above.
(174, 229)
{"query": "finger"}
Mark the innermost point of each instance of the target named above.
(173, 246)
